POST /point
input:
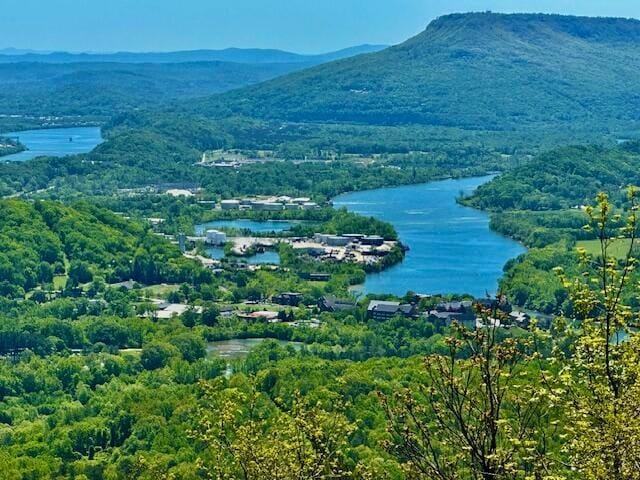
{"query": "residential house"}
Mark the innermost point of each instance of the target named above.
(383, 310)
(334, 304)
(288, 298)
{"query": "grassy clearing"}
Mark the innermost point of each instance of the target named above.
(59, 282)
(160, 290)
(618, 248)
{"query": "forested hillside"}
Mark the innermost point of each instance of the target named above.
(542, 204)
(109, 88)
(476, 71)
(563, 178)
(66, 84)
(39, 241)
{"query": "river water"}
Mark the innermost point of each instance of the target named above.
(54, 142)
(452, 249)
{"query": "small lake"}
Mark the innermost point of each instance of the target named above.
(244, 224)
(240, 347)
(452, 249)
(267, 257)
(270, 257)
(55, 142)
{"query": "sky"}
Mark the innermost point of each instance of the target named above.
(304, 26)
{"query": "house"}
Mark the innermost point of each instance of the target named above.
(334, 304)
(500, 303)
(383, 310)
(287, 298)
(445, 318)
(167, 311)
(520, 319)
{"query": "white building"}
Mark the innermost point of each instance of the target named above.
(215, 237)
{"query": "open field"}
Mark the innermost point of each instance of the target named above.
(618, 248)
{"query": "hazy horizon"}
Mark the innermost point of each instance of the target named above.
(295, 25)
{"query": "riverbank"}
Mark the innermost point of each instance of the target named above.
(10, 147)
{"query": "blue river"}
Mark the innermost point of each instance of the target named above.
(54, 142)
(452, 249)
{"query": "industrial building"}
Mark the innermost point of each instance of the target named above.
(215, 237)
(230, 204)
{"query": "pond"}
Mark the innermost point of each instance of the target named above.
(268, 257)
(452, 249)
(261, 227)
(255, 226)
(55, 142)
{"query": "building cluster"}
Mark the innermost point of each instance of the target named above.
(357, 248)
(466, 313)
(269, 204)
(463, 312)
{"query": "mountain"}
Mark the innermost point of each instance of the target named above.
(237, 55)
(105, 84)
(107, 88)
(477, 71)
(20, 51)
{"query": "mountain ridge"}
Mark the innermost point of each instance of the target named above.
(476, 71)
(235, 55)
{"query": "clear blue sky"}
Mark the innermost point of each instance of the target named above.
(305, 26)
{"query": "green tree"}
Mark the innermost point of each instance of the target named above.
(157, 355)
(478, 415)
(600, 377)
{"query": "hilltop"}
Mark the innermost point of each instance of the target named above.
(481, 71)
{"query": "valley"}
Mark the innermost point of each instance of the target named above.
(401, 263)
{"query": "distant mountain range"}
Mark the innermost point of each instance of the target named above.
(237, 55)
(477, 71)
(106, 84)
